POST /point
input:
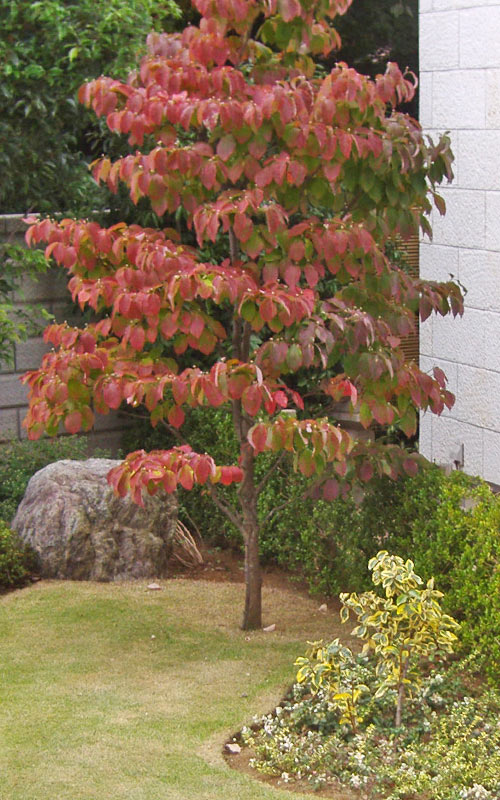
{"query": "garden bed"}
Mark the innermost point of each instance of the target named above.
(448, 747)
(399, 721)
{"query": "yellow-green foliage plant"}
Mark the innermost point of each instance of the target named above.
(401, 628)
(333, 667)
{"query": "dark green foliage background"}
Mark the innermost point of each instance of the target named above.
(19, 460)
(48, 49)
(17, 561)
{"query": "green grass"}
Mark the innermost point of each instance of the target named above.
(94, 708)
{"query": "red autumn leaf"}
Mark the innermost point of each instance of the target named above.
(289, 9)
(186, 477)
(231, 475)
(176, 416)
(297, 399)
(330, 489)
(267, 309)
(236, 385)
(112, 394)
(213, 394)
(197, 326)
(297, 250)
(226, 147)
(169, 481)
(311, 275)
(280, 398)
(251, 400)
(137, 338)
(365, 471)
(73, 422)
(257, 436)
(440, 376)
(180, 390)
(202, 470)
(226, 476)
(208, 175)
(331, 171)
(243, 227)
(292, 275)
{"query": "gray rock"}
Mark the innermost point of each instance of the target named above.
(232, 748)
(81, 530)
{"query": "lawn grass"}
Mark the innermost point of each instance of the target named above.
(94, 708)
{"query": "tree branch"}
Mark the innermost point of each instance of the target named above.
(245, 342)
(226, 509)
(233, 247)
(270, 471)
(304, 496)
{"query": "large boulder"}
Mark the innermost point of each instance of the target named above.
(81, 530)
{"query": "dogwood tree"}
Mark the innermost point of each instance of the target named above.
(296, 180)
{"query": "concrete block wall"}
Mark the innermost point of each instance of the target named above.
(460, 93)
(50, 291)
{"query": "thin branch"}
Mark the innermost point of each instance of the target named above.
(175, 433)
(245, 344)
(193, 523)
(304, 496)
(270, 471)
(170, 428)
(233, 247)
(226, 509)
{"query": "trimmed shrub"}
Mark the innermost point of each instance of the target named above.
(17, 561)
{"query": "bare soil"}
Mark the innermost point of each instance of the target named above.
(222, 565)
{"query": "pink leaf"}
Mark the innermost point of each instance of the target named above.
(73, 422)
(331, 489)
(176, 416)
(226, 147)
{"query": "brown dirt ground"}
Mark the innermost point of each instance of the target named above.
(221, 565)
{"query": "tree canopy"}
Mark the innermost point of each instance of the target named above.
(292, 183)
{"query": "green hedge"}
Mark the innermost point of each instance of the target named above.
(449, 526)
(19, 460)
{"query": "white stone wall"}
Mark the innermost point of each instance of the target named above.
(460, 93)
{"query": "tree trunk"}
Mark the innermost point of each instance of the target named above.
(252, 616)
(401, 692)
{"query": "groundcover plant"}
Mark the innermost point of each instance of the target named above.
(284, 185)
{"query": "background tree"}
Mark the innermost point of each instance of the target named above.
(292, 184)
(47, 49)
(374, 34)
